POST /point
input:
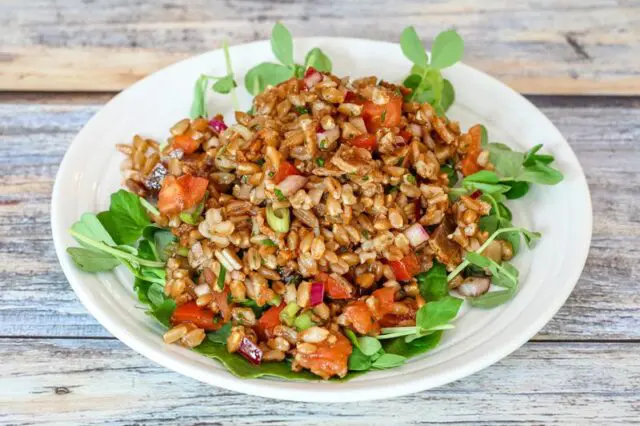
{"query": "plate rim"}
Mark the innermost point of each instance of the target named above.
(266, 388)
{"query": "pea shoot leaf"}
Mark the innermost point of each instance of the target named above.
(224, 85)
(266, 74)
(90, 260)
(413, 48)
(433, 284)
(447, 49)
(282, 44)
(317, 59)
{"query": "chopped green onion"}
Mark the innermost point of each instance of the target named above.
(183, 251)
(411, 179)
(302, 110)
(279, 219)
(320, 162)
(267, 242)
(303, 321)
(288, 314)
(221, 277)
(277, 299)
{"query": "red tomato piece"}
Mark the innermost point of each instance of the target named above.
(406, 268)
(194, 189)
(359, 316)
(192, 313)
(329, 359)
(178, 194)
(387, 115)
(386, 298)
(285, 169)
(364, 141)
(185, 142)
(469, 163)
(270, 319)
(333, 288)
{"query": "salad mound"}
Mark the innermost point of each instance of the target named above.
(336, 227)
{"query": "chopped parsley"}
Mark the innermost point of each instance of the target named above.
(301, 110)
(260, 162)
(390, 189)
(400, 161)
(365, 233)
(411, 179)
(320, 162)
(279, 194)
(365, 178)
(383, 116)
(271, 174)
(323, 144)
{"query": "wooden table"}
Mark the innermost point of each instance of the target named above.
(61, 61)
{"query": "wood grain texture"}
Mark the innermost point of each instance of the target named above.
(101, 381)
(36, 300)
(535, 46)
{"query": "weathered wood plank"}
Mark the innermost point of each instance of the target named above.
(37, 301)
(570, 47)
(102, 381)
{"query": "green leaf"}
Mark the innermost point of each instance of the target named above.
(433, 283)
(389, 361)
(90, 260)
(126, 218)
(358, 361)
(478, 259)
(161, 238)
(317, 59)
(412, 47)
(91, 227)
(412, 81)
(541, 173)
(484, 136)
(438, 312)
(491, 299)
(266, 74)
(503, 276)
(518, 190)
(447, 49)
(163, 312)
(221, 335)
(155, 294)
(224, 85)
(448, 95)
(199, 104)
(484, 176)
(282, 44)
(506, 162)
(416, 347)
(369, 345)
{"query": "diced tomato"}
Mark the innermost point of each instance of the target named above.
(470, 160)
(329, 359)
(406, 268)
(386, 298)
(333, 288)
(359, 316)
(285, 169)
(185, 142)
(192, 313)
(178, 194)
(406, 135)
(387, 115)
(406, 319)
(364, 141)
(270, 319)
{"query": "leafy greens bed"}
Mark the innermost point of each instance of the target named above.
(125, 235)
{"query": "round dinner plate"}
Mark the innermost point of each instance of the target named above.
(90, 172)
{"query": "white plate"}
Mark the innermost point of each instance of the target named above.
(90, 172)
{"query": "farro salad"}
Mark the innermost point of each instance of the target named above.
(337, 227)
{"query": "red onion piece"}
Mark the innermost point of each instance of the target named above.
(416, 234)
(476, 194)
(328, 135)
(291, 184)
(218, 125)
(312, 77)
(250, 351)
(317, 293)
